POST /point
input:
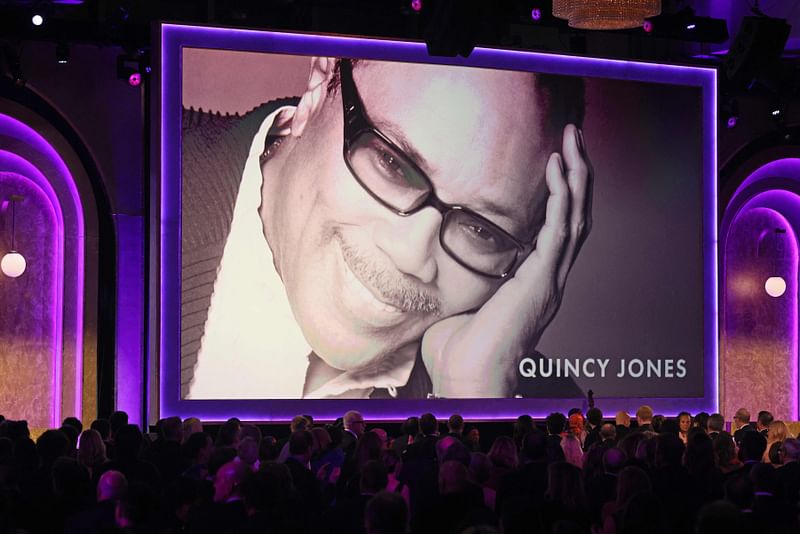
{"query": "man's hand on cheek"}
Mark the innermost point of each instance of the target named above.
(477, 354)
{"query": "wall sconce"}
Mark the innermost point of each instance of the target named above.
(13, 263)
(775, 286)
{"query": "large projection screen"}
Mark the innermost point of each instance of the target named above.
(350, 223)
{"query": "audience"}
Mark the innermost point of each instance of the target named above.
(674, 477)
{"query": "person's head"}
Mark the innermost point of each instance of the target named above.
(74, 422)
(172, 429)
(320, 439)
(300, 445)
(699, 455)
(453, 450)
(614, 460)
(368, 449)
(719, 516)
(103, 427)
(364, 281)
(644, 415)
(701, 421)
(386, 513)
(534, 446)
(91, 449)
(741, 418)
(777, 431)
(503, 453)
(669, 450)
(556, 423)
(684, 422)
(594, 416)
(791, 450)
(354, 422)
(576, 424)
(391, 461)
(299, 422)
(191, 425)
(522, 426)
(480, 467)
(117, 421)
(764, 420)
(128, 442)
(111, 486)
(52, 444)
(227, 480)
(198, 448)
(428, 426)
(716, 423)
(229, 434)
(248, 451)
(608, 431)
(453, 477)
(623, 419)
(373, 477)
(455, 424)
(252, 432)
(411, 426)
(382, 435)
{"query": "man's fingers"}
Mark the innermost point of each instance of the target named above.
(579, 180)
(555, 232)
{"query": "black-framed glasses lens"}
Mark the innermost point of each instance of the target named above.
(478, 243)
(386, 173)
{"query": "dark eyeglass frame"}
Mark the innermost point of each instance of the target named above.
(356, 123)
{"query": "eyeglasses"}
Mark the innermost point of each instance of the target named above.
(393, 179)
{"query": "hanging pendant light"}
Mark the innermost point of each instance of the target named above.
(13, 263)
(606, 14)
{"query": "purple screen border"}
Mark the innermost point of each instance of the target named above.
(174, 37)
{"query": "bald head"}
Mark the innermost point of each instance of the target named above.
(112, 486)
(228, 479)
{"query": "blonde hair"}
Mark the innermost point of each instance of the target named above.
(777, 431)
(91, 449)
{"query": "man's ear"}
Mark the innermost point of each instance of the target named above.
(311, 101)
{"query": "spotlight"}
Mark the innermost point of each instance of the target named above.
(416, 5)
(37, 20)
(536, 14)
(62, 53)
(733, 121)
(647, 26)
(135, 79)
(776, 112)
(691, 26)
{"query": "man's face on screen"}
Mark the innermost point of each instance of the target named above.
(363, 281)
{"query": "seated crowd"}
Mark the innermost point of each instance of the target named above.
(574, 473)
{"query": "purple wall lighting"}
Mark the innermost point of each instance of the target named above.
(30, 155)
(174, 37)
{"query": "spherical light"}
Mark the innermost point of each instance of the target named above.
(37, 20)
(13, 264)
(775, 286)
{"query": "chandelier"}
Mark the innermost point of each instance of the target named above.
(606, 14)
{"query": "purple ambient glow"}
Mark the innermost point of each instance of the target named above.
(536, 13)
(22, 132)
(13, 163)
(416, 5)
(174, 37)
(135, 79)
(733, 121)
(647, 26)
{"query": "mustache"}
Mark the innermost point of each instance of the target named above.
(393, 287)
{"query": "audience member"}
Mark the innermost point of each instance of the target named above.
(741, 424)
(410, 429)
(763, 421)
(716, 424)
(594, 421)
(777, 433)
(92, 451)
(623, 424)
(684, 424)
(644, 419)
(386, 513)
